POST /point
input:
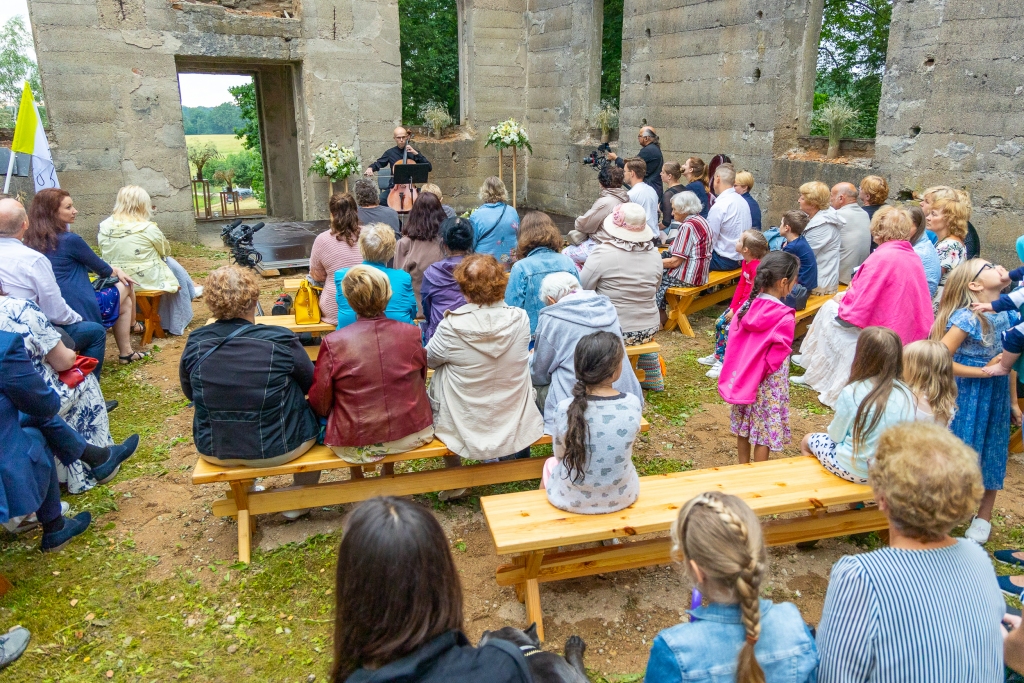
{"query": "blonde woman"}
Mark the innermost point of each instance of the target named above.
(947, 218)
(823, 233)
(495, 224)
(131, 241)
(928, 198)
(737, 635)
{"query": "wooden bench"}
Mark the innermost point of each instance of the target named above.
(242, 503)
(148, 303)
(682, 301)
(805, 317)
(316, 329)
(527, 524)
(291, 284)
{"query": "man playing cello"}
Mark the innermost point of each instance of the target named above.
(401, 150)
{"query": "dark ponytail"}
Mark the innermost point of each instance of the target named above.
(596, 358)
(775, 266)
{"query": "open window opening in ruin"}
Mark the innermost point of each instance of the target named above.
(430, 63)
(611, 53)
(851, 62)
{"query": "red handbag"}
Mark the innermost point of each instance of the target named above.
(75, 375)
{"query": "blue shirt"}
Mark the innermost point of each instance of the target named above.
(755, 213)
(706, 649)
(401, 307)
(72, 261)
(981, 346)
(697, 187)
(930, 260)
(523, 289)
(496, 227)
(808, 276)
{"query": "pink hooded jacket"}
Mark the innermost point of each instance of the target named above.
(759, 344)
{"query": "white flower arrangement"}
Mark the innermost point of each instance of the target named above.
(508, 134)
(336, 163)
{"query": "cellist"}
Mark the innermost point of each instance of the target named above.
(402, 149)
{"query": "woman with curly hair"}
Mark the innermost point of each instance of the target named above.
(334, 249)
(538, 250)
(420, 246)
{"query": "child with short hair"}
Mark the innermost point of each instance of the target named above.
(755, 370)
(592, 470)
(736, 636)
(873, 400)
(752, 246)
(928, 371)
(792, 228)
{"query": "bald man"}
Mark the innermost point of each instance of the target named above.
(401, 148)
(650, 152)
(855, 235)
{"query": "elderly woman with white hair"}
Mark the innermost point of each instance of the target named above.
(131, 241)
(496, 224)
(377, 247)
(688, 259)
(569, 314)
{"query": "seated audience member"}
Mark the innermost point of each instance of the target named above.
(28, 478)
(728, 218)
(495, 223)
(889, 290)
(947, 218)
(335, 249)
(539, 242)
(131, 241)
(27, 274)
(49, 232)
(744, 184)
(377, 247)
(926, 481)
(420, 246)
(873, 193)
(371, 210)
(433, 189)
(737, 636)
(587, 233)
(640, 192)
(696, 174)
(440, 292)
(569, 314)
(481, 393)
(592, 472)
(854, 234)
(399, 613)
(370, 380)
(928, 372)
(671, 172)
(924, 248)
(792, 228)
(689, 253)
(928, 198)
(823, 233)
(248, 382)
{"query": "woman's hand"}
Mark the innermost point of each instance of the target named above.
(996, 370)
(728, 316)
(122, 277)
(982, 308)
(1015, 414)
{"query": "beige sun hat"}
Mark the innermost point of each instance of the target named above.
(628, 222)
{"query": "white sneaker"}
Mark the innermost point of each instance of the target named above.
(715, 371)
(199, 291)
(451, 494)
(978, 531)
(797, 360)
(798, 380)
(292, 515)
(708, 360)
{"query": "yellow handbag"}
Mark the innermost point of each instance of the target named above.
(307, 304)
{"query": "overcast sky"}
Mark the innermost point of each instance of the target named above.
(11, 8)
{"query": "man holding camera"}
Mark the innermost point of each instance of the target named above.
(650, 152)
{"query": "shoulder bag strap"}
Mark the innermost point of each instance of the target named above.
(216, 346)
(493, 227)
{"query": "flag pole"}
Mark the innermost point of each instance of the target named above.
(10, 167)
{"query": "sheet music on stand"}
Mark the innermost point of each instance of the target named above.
(411, 173)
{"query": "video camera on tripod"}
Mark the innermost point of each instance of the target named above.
(239, 238)
(597, 158)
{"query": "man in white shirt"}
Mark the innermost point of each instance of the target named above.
(728, 218)
(640, 192)
(855, 235)
(27, 274)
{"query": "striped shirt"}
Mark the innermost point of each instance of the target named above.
(692, 243)
(926, 616)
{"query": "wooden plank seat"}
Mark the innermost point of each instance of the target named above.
(288, 321)
(291, 284)
(805, 317)
(527, 524)
(148, 303)
(682, 301)
(242, 503)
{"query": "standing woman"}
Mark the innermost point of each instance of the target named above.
(696, 173)
(335, 249)
(49, 218)
(420, 247)
(129, 240)
(496, 224)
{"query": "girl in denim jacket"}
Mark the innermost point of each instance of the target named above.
(736, 636)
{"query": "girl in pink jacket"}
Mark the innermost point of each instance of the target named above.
(755, 371)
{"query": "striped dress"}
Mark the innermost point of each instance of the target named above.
(927, 616)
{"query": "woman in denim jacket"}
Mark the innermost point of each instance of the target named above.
(539, 242)
(736, 636)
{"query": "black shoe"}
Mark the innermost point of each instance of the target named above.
(111, 405)
(12, 645)
(118, 454)
(72, 527)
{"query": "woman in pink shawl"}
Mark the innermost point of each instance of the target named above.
(889, 290)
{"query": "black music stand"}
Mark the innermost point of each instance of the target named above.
(410, 173)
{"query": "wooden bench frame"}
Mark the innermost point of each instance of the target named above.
(288, 321)
(148, 303)
(805, 317)
(527, 525)
(683, 301)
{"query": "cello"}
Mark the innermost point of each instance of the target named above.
(401, 197)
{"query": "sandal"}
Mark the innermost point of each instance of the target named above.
(132, 357)
(138, 328)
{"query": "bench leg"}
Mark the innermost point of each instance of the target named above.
(640, 374)
(676, 306)
(240, 489)
(150, 308)
(531, 591)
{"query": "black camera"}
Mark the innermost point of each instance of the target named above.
(239, 238)
(597, 158)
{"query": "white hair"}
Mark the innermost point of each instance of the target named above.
(687, 203)
(557, 285)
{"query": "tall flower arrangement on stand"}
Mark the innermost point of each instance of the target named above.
(505, 135)
(335, 163)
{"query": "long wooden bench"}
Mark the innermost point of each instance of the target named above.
(527, 524)
(805, 317)
(682, 301)
(243, 503)
(316, 329)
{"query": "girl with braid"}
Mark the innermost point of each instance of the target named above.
(755, 370)
(592, 470)
(735, 636)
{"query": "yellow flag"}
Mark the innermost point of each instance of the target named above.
(30, 138)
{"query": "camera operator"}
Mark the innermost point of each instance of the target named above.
(650, 152)
(610, 179)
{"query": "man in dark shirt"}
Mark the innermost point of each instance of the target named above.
(394, 154)
(650, 152)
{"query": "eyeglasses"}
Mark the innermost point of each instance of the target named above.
(982, 270)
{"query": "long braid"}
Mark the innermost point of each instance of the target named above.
(774, 267)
